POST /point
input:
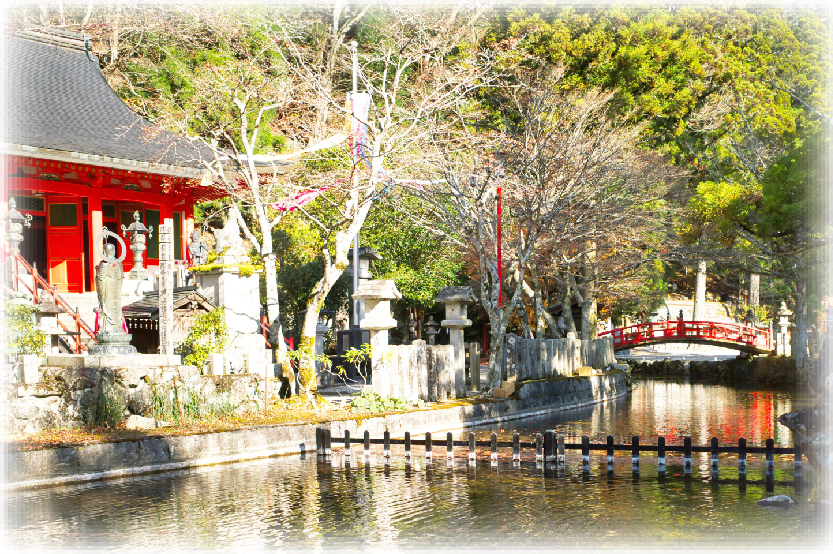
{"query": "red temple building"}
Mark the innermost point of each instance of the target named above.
(77, 159)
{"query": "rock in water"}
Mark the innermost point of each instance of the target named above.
(777, 501)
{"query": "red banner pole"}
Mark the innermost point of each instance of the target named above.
(499, 252)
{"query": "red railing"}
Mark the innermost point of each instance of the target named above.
(39, 282)
(680, 331)
(264, 329)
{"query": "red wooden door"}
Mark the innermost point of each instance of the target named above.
(64, 245)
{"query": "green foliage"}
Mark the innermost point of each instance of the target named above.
(305, 354)
(208, 334)
(419, 262)
(761, 313)
(328, 159)
(21, 334)
(299, 269)
(195, 404)
(109, 408)
(246, 270)
(373, 403)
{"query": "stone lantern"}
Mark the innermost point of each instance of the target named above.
(138, 245)
(456, 319)
(782, 344)
(431, 329)
(15, 221)
(377, 320)
(366, 254)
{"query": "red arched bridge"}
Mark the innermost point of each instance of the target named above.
(728, 335)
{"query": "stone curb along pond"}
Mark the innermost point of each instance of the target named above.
(76, 464)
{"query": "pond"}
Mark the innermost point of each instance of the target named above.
(305, 503)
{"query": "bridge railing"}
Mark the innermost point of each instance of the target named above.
(681, 330)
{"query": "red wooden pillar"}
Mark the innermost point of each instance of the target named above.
(167, 211)
(95, 224)
(187, 227)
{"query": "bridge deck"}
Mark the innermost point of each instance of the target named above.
(728, 335)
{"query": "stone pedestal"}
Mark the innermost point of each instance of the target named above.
(27, 371)
(456, 319)
(239, 295)
(377, 296)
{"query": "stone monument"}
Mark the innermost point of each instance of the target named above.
(238, 292)
(111, 337)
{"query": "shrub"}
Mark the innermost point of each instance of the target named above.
(209, 334)
(109, 407)
(21, 334)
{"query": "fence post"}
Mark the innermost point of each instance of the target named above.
(610, 459)
(472, 453)
(770, 460)
(742, 456)
(347, 443)
(661, 454)
(366, 443)
(428, 453)
(408, 445)
(798, 461)
(539, 447)
(319, 441)
(449, 446)
(714, 453)
(516, 447)
(635, 453)
(585, 452)
(387, 443)
(687, 455)
(560, 457)
(328, 447)
(549, 447)
(494, 447)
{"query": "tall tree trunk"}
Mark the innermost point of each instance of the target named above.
(700, 292)
(332, 271)
(589, 315)
(800, 345)
(754, 289)
(566, 297)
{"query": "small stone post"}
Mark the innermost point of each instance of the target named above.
(474, 366)
(455, 299)
(166, 289)
(783, 346)
(377, 319)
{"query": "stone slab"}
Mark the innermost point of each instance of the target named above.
(131, 361)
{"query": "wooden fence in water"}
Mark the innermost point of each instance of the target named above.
(551, 448)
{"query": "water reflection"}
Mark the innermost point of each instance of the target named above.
(350, 503)
(672, 409)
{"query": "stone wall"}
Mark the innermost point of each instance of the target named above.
(530, 359)
(63, 465)
(69, 397)
(764, 369)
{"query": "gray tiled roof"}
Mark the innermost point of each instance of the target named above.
(148, 305)
(57, 98)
